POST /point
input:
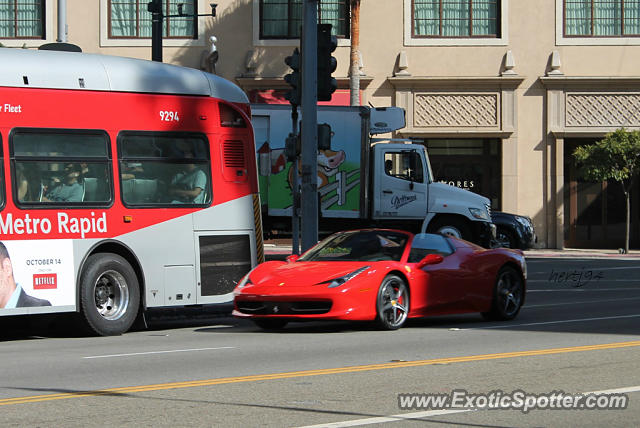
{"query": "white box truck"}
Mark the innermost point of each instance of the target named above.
(364, 181)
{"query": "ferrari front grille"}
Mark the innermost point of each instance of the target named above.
(311, 307)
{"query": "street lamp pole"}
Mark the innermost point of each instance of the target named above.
(157, 18)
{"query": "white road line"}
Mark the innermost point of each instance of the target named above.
(616, 391)
(417, 415)
(585, 281)
(159, 352)
(583, 289)
(579, 303)
(591, 269)
(552, 322)
(383, 419)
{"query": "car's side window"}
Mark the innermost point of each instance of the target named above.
(428, 243)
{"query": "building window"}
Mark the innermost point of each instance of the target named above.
(456, 18)
(22, 19)
(601, 18)
(130, 19)
(471, 164)
(282, 19)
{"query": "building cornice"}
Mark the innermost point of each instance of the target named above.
(590, 82)
(447, 82)
(260, 82)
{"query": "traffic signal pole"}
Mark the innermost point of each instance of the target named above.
(309, 125)
(155, 7)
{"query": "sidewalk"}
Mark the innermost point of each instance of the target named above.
(282, 247)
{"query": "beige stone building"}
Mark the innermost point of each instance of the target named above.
(500, 91)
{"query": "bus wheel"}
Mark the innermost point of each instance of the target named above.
(109, 294)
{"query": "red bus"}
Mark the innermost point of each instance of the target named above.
(126, 185)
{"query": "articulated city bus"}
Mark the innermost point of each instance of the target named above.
(126, 185)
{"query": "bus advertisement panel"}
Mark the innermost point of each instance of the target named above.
(37, 275)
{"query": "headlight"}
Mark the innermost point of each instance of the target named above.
(524, 268)
(337, 282)
(523, 221)
(479, 214)
(244, 281)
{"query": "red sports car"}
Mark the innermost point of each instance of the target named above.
(386, 276)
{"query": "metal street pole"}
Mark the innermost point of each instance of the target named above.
(155, 7)
(295, 191)
(309, 132)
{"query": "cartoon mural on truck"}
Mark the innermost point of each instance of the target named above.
(338, 171)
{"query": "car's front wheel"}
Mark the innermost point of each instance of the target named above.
(392, 304)
(508, 295)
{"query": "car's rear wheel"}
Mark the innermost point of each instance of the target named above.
(270, 323)
(508, 295)
(392, 304)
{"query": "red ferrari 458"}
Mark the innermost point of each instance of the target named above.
(386, 276)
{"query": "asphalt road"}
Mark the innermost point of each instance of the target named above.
(578, 332)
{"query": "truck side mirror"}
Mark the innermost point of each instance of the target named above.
(430, 259)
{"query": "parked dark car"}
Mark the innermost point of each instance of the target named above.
(513, 231)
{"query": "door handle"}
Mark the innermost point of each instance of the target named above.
(387, 191)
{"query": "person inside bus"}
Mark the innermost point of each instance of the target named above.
(188, 186)
(69, 190)
(11, 294)
(26, 178)
(132, 170)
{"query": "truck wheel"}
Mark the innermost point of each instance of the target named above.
(109, 294)
(452, 227)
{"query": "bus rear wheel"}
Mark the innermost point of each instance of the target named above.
(109, 294)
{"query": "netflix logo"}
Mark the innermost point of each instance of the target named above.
(45, 281)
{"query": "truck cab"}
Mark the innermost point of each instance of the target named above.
(403, 188)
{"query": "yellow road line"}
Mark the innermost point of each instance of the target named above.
(339, 370)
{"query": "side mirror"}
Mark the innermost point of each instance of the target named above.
(430, 259)
(292, 258)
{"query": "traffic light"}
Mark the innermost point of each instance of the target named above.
(326, 63)
(293, 79)
(324, 136)
(292, 147)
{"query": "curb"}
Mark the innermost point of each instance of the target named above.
(535, 254)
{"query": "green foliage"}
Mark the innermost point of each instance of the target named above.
(616, 157)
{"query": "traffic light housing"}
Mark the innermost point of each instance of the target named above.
(324, 136)
(292, 147)
(326, 63)
(294, 61)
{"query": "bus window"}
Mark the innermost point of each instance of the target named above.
(1, 175)
(61, 167)
(230, 117)
(163, 168)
